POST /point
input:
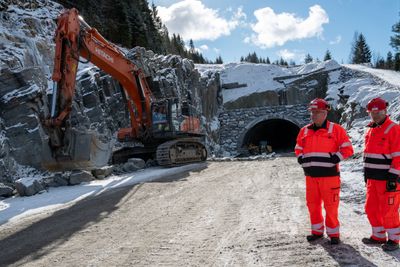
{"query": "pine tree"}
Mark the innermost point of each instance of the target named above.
(283, 62)
(395, 43)
(395, 40)
(124, 22)
(156, 19)
(353, 47)
(328, 55)
(254, 58)
(308, 59)
(389, 61)
(380, 63)
(268, 61)
(362, 53)
(219, 60)
(166, 41)
(191, 46)
(397, 62)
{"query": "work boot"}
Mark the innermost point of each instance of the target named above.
(313, 237)
(371, 241)
(390, 246)
(335, 240)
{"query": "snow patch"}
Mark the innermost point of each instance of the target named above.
(214, 124)
(17, 93)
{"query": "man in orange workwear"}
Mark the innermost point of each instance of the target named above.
(320, 146)
(381, 171)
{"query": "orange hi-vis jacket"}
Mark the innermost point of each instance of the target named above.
(382, 151)
(316, 147)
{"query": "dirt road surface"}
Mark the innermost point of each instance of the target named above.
(242, 213)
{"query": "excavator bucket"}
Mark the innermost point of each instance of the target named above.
(81, 150)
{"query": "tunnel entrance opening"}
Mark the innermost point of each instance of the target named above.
(273, 135)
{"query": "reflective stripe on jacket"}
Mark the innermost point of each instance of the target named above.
(318, 147)
(382, 151)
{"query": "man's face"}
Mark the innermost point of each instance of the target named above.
(377, 116)
(318, 116)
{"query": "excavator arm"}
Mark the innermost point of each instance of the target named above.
(70, 148)
(75, 38)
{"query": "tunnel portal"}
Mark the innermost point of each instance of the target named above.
(272, 135)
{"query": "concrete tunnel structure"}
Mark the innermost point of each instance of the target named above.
(280, 134)
(278, 125)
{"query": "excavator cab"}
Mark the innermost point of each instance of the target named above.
(161, 117)
(171, 118)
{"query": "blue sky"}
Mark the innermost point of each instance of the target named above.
(275, 28)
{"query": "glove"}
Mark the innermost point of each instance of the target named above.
(335, 158)
(300, 160)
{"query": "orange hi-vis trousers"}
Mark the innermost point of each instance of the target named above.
(382, 209)
(323, 190)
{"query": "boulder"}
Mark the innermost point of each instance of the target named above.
(28, 186)
(5, 190)
(133, 164)
(78, 177)
(102, 172)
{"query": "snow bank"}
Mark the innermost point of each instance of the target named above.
(15, 208)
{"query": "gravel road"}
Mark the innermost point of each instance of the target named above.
(241, 213)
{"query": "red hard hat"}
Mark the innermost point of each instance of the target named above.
(319, 104)
(377, 104)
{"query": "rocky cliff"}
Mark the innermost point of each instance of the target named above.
(26, 60)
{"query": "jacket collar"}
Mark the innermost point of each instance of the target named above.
(384, 122)
(315, 127)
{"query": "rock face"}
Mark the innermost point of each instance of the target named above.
(174, 76)
(27, 29)
(26, 60)
(21, 100)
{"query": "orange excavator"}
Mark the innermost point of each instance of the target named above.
(164, 128)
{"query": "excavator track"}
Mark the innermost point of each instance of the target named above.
(181, 151)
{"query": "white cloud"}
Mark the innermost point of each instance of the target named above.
(337, 40)
(274, 29)
(217, 50)
(192, 20)
(204, 47)
(295, 55)
(286, 54)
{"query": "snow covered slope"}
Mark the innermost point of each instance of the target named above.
(257, 78)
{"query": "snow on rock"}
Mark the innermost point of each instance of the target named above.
(255, 78)
(316, 66)
(26, 32)
(389, 76)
